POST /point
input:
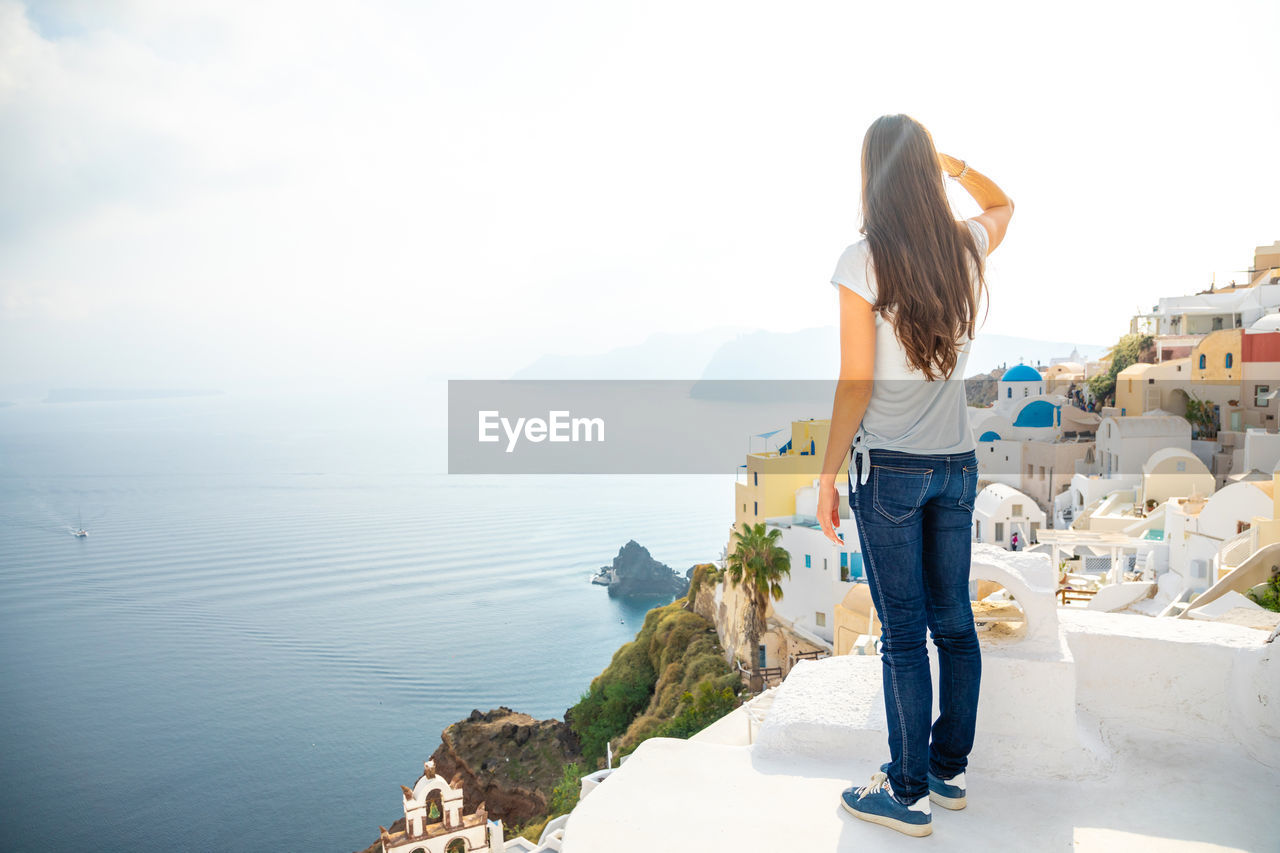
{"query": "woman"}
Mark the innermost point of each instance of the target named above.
(909, 297)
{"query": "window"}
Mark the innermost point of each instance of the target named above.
(755, 478)
(1227, 359)
(824, 564)
(1202, 361)
(1017, 511)
(819, 618)
(1026, 392)
(1008, 392)
(1182, 465)
(977, 530)
(808, 564)
(760, 656)
(755, 508)
(999, 531)
(1259, 392)
(844, 560)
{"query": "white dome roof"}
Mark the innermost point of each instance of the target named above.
(1266, 323)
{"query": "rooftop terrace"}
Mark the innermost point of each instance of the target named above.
(1096, 731)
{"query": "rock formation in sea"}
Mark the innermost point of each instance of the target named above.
(637, 573)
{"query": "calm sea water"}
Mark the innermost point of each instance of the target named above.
(280, 604)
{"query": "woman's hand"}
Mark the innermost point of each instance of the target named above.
(829, 509)
(950, 165)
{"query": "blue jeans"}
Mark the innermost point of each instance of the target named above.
(914, 516)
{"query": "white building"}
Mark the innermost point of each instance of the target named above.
(1125, 443)
(999, 511)
(1195, 530)
(1261, 452)
(1174, 472)
(1022, 412)
(821, 573)
(1202, 313)
(434, 822)
(1018, 383)
(1087, 489)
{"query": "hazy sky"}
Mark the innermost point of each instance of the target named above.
(218, 193)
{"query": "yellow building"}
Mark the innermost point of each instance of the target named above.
(767, 484)
(1058, 378)
(1266, 260)
(1217, 358)
(1142, 387)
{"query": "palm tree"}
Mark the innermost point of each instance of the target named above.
(759, 561)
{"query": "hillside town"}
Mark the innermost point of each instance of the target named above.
(1125, 531)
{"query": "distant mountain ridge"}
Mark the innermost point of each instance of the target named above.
(115, 395)
(725, 353)
(660, 356)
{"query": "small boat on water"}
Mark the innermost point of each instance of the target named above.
(81, 532)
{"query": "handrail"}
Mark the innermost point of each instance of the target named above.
(1230, 554)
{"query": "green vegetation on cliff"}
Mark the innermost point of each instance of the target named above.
(1130, 349)
(670, 681)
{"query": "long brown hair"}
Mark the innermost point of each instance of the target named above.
(918, 249)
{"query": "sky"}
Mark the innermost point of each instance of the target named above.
(266, 194)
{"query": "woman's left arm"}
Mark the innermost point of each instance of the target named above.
(853, 392)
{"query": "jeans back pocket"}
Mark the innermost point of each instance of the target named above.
(899, 492)
(969, 485)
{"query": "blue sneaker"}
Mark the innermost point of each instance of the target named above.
(947, 793)
(876, 803)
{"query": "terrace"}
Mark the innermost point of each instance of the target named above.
(1097, 731)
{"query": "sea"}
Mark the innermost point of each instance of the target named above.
(281, 602)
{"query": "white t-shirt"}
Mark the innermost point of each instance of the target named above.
(906, 411)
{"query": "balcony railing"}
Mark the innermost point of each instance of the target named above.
(1234, 551)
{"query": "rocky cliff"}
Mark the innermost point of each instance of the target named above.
(980, 389)
(508, 760)
(638, 573)
(671, 680)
